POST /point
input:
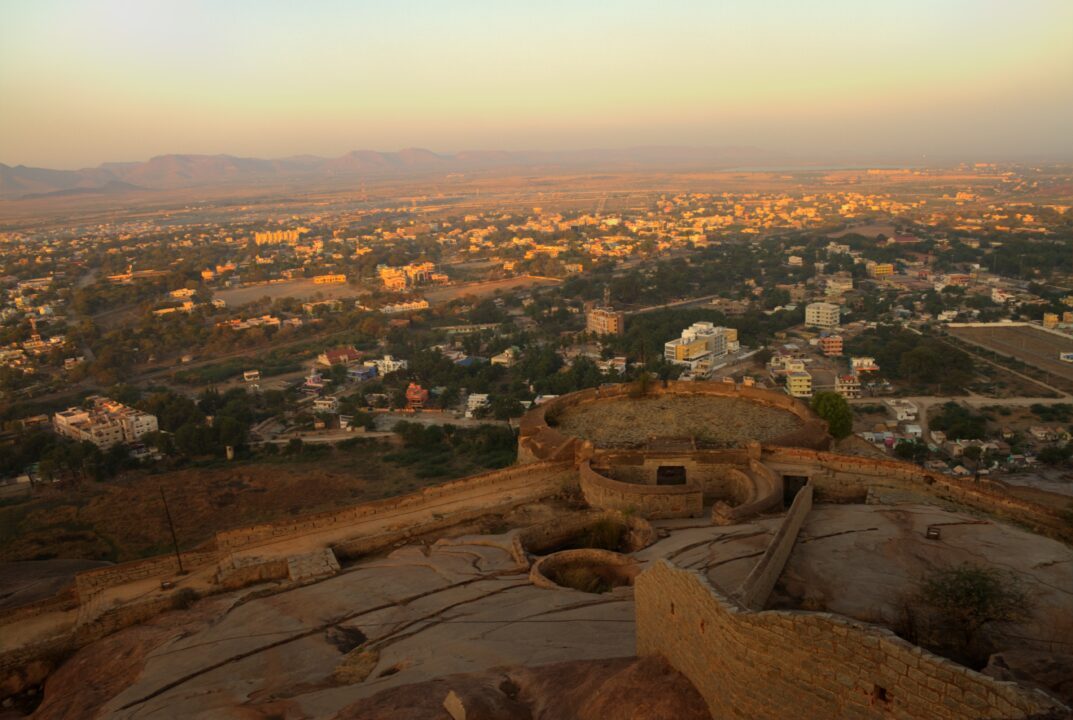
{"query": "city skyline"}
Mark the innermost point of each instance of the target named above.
(116, 81)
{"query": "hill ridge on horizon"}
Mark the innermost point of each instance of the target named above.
(184, 170)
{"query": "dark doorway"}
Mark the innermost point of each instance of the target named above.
(671, 475)
(791, 485)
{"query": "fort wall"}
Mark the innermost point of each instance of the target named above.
(539, 439)
(510, 485)
(748, 664)
(370, 526)
(90, 582)
(847, 478)
(767, 496)
(651, 501)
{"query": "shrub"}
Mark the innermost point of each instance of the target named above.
(184, 598)
(963, 602)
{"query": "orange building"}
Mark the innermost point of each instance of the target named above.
(416, 396)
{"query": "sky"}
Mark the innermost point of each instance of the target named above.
(84, 82)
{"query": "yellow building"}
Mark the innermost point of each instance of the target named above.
(686, 351)
(329, 279)
(1050, 320)
(603, 321)
(880, 269)
(799, 384)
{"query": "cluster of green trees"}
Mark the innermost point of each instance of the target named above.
(185, 430)
(451, 451)
(959, 422)
(916, 359)
(833, 408)
(60, 458)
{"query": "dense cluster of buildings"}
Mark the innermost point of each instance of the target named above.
(406, 277)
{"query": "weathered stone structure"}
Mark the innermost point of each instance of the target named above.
(807, 665)
(745, 661)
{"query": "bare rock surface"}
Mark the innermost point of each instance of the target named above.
(619, 689)
(1044, 669)
(424, 612)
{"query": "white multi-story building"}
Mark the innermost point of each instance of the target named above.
(475, 403)
(401, 307)
(699, 342)
(822, 315)
(106, 424)
(838, 284)
(388, 364)
(327, 404)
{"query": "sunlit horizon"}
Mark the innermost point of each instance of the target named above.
(86, 83)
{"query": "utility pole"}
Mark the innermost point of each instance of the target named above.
(171, 526)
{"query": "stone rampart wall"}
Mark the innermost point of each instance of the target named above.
(90, 582)
(232, 575)
(848, 477)
(767, 493)
(538, 438)
(542, 479)
(408, 522)
(772, 664)
(757, 586)
(62, 601)
(651, 501)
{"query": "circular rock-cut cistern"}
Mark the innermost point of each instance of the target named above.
(585, 569)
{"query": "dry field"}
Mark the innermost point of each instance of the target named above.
(301, 289)
(484, 289)
(1030, 345)
(711, 420)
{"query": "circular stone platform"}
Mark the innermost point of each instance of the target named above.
(712, 421)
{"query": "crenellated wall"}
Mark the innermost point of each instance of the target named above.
(772, 664)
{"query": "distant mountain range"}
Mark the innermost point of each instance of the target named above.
(183, 171)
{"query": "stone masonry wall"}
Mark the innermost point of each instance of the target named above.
(651, 501)
(848, 477)
(539, 440)
(754, 665)
(757, 586)
(543, 477)
(89, 582)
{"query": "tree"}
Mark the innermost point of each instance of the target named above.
(966, 599)
(913, 450)
(833, 408)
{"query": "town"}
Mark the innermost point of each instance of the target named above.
(930, 303)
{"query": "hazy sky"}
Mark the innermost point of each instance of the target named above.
(84, 81)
